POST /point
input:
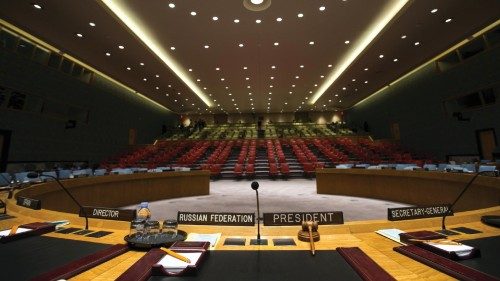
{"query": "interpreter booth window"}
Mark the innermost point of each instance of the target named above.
(8, 40)
(25, 48)
(16, 101)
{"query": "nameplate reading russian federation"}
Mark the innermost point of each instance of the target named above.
(31, 203)
(297, 218)
(411, 213)
(202, 218)
(109, 213)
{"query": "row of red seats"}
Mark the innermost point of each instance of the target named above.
(194, 153)
(308, 160)
(333, 154)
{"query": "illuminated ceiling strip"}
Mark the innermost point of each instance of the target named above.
(127, 17)
(451, 49)
(378, 25)
(48, 47)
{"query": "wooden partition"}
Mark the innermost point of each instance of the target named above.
(119, 190)
(411, 187)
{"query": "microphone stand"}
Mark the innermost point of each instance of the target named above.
(443, 225)
(70, 195)
(257, 241)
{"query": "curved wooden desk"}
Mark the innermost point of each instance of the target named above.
(119, 190)
(412, 187)
(352, 234)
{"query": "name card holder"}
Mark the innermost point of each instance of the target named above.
(184, 247)
(38, 228)
(31, 203)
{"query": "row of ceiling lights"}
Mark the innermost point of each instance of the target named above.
(92, 24)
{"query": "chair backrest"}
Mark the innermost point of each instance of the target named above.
(22, 177)
(5, 179)
(99, 172)
(49, 173)
(470, 167)
(430, 167)
(64, 174)
(487, 168)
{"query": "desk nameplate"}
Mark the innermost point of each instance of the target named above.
(411, 213)
(109, 213)
(204, 218)
(31, 203)
(296, 218)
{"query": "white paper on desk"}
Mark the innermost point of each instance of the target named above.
(170, 262)
(19, 230)
(391, 233)
(459, 249)
(213, 238)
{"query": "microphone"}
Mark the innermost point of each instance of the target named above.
(33, 175)
(258, 241)
(443, 226)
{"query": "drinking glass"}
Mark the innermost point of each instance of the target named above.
(170, 227)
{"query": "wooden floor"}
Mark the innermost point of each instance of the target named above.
(355, 234)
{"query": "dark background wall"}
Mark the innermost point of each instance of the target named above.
(416, 103)
(39, 131)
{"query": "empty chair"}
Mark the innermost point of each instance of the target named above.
(5, 179)
(486, 168)
(64, 174)
(99, 172)
(343, 166)
(375, 167)
(470, 167)
(250, 170)
(430, 167)
(47, 176)
(273, 170)
(22, 177)
(308, 168)
(238, 170)
(285, 169)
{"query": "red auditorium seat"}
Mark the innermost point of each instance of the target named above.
(273, 170)
(238, 170)
(285, 169)
(250, 170)
(308, 168)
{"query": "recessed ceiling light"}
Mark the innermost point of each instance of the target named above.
(322, 8)
(272, 77)
(448, 20)
(108, 54)
(366, 69)
(366, 82)
(248, 87)
(344, 88)
(157, 87)
(171, 5)
(403, 36)
(273, 67)
(217, 68)
(204, 88)
(293, 86)
(37, 6)
(330, 65)
(193, 13)
(129, 68)
(297, 77)
(395, 60)
(417, 43)
(121, 47)
(245, 67)
(198, 80)
(434, 11)
(247, 78)
(92, 24)
(381, 56)
(236, 20)
(215, 18)
(301, 66)
(311, 43)
(300, 15)
(227, 87)
(79, 35)
(206, 46)
(241, 45)
(322, 76)
(141, 64)
(222, 79)
(290, 92)
(347, 42)
(144, 79)
(258, 21)
(336, 95)
(279, 19)
(270, 86)
(353, 80)
(315, 85)
(190, 69)
(172, 48)
(276, 43)
(249, 94)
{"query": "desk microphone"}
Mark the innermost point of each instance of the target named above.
(33, 175)
(443, 226)
(258, 241)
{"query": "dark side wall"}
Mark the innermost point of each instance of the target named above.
(416, 103)
(112, 111)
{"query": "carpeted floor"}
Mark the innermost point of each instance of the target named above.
(279, 195)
